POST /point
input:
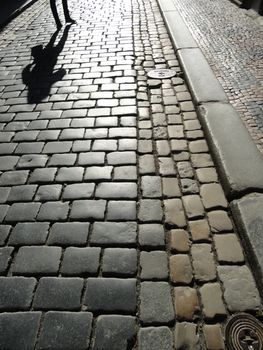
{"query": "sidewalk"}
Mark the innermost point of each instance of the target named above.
(115, 231)
(231, 41)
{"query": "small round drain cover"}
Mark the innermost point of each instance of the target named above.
(161, 73)
(244, 332)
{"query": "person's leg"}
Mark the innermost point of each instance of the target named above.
(66, 12)
(55, 13)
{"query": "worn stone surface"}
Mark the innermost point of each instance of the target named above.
(213, 196)
(236, 149)
(193, 206)
(73, 330)
(200, 230)
(180, 269)
(203, 262)
(240, 291)
(155, 338)
(186, 303)
(58, 294)
(213, 337)
(247, 214)
(156, 303)
(24, 324)
(174, 213)
(154, 265)
(151, 235)
(228, 248)
(179, 241)
(114, 331)
(111, 294)
(186, 336)
(211, 296)
(16, 293)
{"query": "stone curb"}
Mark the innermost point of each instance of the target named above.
(16, 13)
(240, 164)
(202, 82)
(248, 214)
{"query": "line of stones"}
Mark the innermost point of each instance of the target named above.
(187, 298)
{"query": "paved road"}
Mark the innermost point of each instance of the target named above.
(115, 232)
(232, 44)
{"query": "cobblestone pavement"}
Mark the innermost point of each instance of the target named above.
(232, 43)
(115, 232)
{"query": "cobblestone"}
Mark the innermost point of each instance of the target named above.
(211, 296)
(203, 262)
(240, 289)
(153, 265)
(24, 324)
(73, 329)
(154, 338)
(186, 303)
(80, 261)
(213, 337)
(180, 269)
(114, 331)
(115, 225)
(46, 261)
(69, 234)
(58, 294)
(111, 295)
(156, 303)
(186, 336)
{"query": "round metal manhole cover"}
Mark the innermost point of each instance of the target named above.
(244, 332)
(161, 73)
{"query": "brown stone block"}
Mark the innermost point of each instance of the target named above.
(181, 269)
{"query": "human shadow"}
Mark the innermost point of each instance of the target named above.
(40, 75)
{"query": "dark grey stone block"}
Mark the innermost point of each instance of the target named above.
(240, 164)
(151, 235)
(16, 293)
(111, 295)
(53, 211)
(58, 294)
(114, 233)
(22, 212)
(247, 214)
(29, 233)
(156, 303)
(155, 338)
(69, 233)
(37, 261)
(119, 262)
(19, 330)
(88, 210)
(65, 331)
(154, 265)
(115, 332)
(81, 261)
(48, 193)
(22, 193)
